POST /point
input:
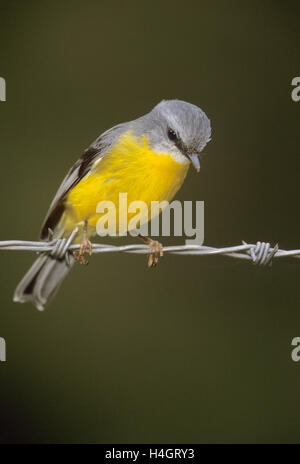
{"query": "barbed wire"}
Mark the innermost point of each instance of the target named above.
(261, 253)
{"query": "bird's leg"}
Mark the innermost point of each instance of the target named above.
(155, 250)
(86, 244)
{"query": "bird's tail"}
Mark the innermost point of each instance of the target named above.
(43, 280)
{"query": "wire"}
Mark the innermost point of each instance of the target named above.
(260, 253)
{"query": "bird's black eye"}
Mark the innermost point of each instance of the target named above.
(172, 135)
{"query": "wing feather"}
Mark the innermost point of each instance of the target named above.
(79, 170)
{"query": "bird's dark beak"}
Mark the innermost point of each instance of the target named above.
(194, 159)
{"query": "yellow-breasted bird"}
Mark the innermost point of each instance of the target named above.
(147, 158)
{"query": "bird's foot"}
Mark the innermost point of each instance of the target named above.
(86, 245)
(155, 252)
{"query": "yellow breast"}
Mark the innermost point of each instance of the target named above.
(129, 167)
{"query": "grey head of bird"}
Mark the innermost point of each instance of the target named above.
(177, 128)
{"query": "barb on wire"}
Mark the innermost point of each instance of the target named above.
(260, 253)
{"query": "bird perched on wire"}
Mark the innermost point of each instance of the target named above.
(147, 158)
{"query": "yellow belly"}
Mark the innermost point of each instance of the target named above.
(130, 167)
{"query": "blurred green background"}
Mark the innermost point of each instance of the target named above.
(197, 350)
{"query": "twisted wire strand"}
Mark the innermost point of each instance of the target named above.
(261, 253)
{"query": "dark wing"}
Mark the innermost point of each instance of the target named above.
(95, 152)
(75, 174)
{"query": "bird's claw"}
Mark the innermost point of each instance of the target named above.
(155, 252)
(86, 245)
